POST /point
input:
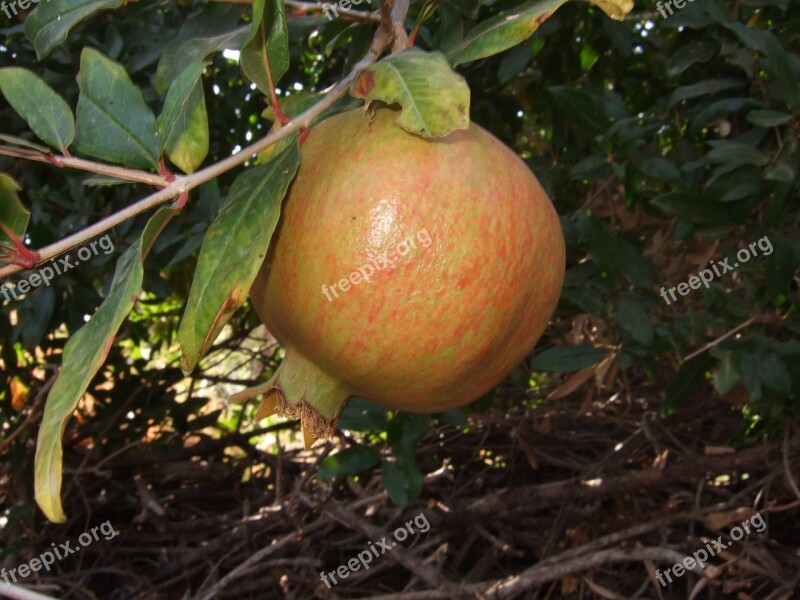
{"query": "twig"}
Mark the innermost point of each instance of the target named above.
(91, 166)
(185, 183)
(786, 468)
(535, 496)
(424, 571)
(720, 339)
(34, 412)
(253, 561)
(20, 593)
(316, 7)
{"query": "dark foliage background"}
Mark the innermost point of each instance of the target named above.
(664, 144)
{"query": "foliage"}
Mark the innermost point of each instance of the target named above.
(664, 143)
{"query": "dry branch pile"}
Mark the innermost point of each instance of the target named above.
(570, 500)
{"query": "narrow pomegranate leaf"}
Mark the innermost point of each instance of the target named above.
(434, 98)
(232, 252)
(183, 122)
(213, 29)
(267, 49)
(513, 27)
(563, 359)
(12, 212)
(394, 483)
(48, 25)
(114, 121)
(47, 114)
(84, 354)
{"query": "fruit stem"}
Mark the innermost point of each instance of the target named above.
(301, 390)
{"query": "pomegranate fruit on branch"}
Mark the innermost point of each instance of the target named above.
(413, 272)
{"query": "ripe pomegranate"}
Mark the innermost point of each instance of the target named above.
(413, 272)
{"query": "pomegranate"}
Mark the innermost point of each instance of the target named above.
(415, 273)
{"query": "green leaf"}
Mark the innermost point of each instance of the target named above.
(514, 62)
(434, 98)
(349, 461)
(698, 51)
(114, 122)
(510, 28)
(48, 25)
(727, 375)
(688, 378)
(657, 167)
(580, 108)
(84, 354)
(768, 118)
(737, 153)
(704, 88)
(774, 374)
(633, 319)
(215, 28)
(360, 414)
(13, 213)
(47, 114)
(268, 44)
(780, 171)
(232, 252)
(394, 483)
(183, 123)
(567, 358)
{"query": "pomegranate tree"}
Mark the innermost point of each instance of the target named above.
(413, 272)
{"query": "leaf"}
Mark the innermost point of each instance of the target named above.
(394, 483)
(727, 375)
(15, 141)
(704, 88)
(698, 51)
(768, 118)
(267, 49)
(47, 114)
(48, 25)
(349, 461)
(580, 108)
(736, 153)
(780, 171)
(510, 28)
(12, 212)
(688, 378)
(213, 29)
(84, 354)
(657, 167)
(567, 358)
(360, 414)
(633, 319)
(114, 122)
(232, 252)
(183, 123)
(435, 99)
(514, 62)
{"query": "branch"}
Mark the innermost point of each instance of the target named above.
(61, 160)
(184, 183)
(316, 7)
